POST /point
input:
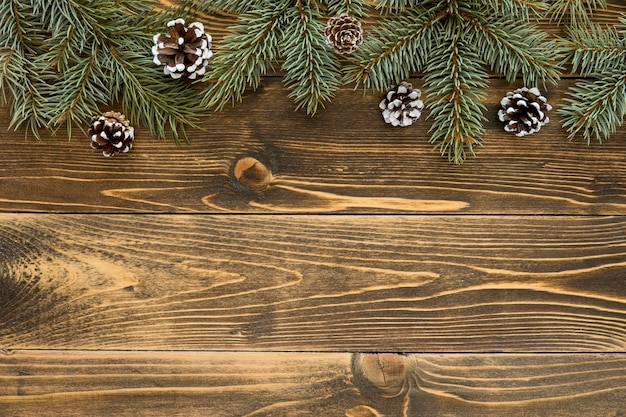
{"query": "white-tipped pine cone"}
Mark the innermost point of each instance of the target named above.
(184, 51)
(524, 111)
(344, 34)
(111, 133)
(402, 105)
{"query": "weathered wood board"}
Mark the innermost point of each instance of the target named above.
(329, 163)
(287, 265)
(313, 283)
(222, 384)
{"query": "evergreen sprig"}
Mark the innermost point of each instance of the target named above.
(595, 106)
(575, 13)
(61, 60)
(269, 31)
(450, 41)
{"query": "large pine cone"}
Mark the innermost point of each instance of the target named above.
(402, 105)
(184, 51)
(524, 111)
(111, 133)
(344, 34)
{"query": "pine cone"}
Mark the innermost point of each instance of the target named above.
(344, 34)
(524, 111)
(184, 51)
(402, 106)
(111, 133)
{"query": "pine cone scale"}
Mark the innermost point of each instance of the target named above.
(524, 111)
(402, 105)
(344, 34)
(185, 51)
(111, 133)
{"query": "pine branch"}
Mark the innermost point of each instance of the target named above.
(227, 6)
(75, 56)
(450, 41)
(594, 49)
(574, 12)
(394, 49)
(244, 56)
(396, 6)
(287, 29)
(20, 40)
(524, 52)
(521, 9)
(455, 83)
(311, 68)
(355, 8)
(595, 107)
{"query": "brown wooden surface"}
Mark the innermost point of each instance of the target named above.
(314, 283)
(80, 383)
(328, 163)
(248, 272)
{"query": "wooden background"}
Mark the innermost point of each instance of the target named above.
(357, 274)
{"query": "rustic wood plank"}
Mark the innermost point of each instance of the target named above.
(345, 159)
(79, 383)
(313, 283)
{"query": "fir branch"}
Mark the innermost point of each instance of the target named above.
(449, 41)
(228, 6)
(595, 107)
(287, 29)
(525, 51)
(20, 41)
(394, 49)
(75, 96)
(455, 83)
(354, 8)
(396, 6)
(85, 54)
(244, 56)
(311, 68)
(594, 49)
(574, 12)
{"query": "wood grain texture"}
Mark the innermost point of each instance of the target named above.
(313, 283)
(79, 383)
(333, 162)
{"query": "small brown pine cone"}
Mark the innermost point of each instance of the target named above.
(184, 51)
(111, 133)
(402, 105)
(344, 34)
(524, 111)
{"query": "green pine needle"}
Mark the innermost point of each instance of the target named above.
(596, 106)
(574, 12)
(66, 59)
(244, 56)
(291, 30)
(311, 69)
(450, 41)
(455, 83)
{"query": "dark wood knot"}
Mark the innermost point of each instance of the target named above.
(252, 174)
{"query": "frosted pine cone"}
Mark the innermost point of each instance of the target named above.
(402, 105)
(111, 133)
(344, 34)
(184, 51)
(524, 111)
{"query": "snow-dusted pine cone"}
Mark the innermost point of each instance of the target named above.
(402, 105)
(344, 34)
(111, 133)
(524, 111)
(184, 51)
